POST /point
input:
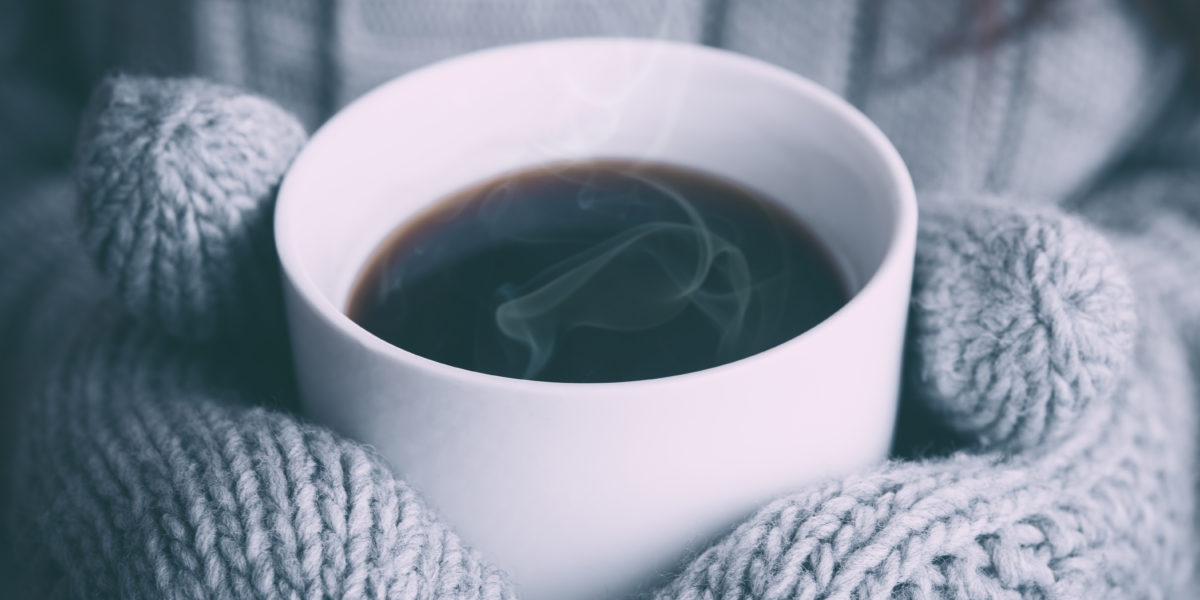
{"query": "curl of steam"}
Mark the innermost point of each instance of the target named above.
(638, 279)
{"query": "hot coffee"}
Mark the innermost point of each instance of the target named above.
(597, 271)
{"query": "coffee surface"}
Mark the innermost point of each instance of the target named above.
(597, 271)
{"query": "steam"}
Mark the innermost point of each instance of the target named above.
(601, 109)
(638, 279)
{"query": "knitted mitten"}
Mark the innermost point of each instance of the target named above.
(1080, 480)
(150, 468)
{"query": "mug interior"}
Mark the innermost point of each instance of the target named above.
(418, 139)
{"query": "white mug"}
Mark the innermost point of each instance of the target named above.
(588, 491)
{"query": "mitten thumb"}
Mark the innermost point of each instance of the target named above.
(1020, 319)
(177, 179)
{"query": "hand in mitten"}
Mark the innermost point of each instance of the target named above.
(148, 470)
(1080, 416)
(147, 466)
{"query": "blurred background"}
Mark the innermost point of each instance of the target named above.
(313, 56)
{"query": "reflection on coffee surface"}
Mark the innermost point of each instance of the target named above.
(597, 271)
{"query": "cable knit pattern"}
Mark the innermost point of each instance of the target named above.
(177, 182)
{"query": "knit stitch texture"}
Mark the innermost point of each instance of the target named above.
(145, 470)
(176, 189)
(158, 455)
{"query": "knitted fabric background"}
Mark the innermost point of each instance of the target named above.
(147, 469)
(997, 120)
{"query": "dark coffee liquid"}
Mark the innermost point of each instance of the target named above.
(597, 271)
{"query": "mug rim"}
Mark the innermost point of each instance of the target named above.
(903, 226)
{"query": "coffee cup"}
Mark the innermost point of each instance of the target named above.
(600, 490)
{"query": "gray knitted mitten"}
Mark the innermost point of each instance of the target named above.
(150, 468)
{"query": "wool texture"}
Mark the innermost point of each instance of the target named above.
(158, 479)
(177, 182)
(1084, 449)
(147, 466)
(1016, 342)
(156, 451)
(1031, 118)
